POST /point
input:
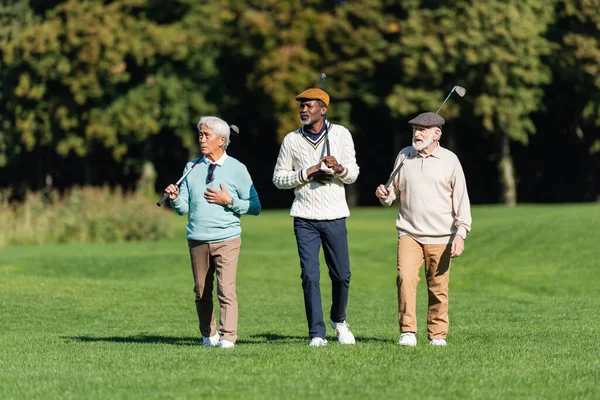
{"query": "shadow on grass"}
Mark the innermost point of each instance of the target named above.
(273, 338)
(286, 339)
(143, 339)
(261, 338)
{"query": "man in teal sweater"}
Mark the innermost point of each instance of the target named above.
(215, 194)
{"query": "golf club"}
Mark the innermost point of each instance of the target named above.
(323, 76)
(461, 92)
(233, 129)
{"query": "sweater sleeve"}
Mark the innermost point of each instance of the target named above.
(247, 201)
(460, 201)
(351, 169)
(285, 176)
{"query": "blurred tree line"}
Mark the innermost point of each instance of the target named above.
(95, 92)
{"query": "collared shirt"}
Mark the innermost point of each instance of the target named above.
(433, 201)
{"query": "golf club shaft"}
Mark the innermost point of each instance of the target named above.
(389, 182)
(447, 97)
(323, 76)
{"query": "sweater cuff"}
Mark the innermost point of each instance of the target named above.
(302, 175)
(343, 174)
(462, 232)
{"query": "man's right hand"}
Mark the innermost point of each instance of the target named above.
(382, 192)
(173, 191)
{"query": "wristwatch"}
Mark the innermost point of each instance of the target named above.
(230, 204)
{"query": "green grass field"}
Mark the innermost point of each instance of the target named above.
(117, 321)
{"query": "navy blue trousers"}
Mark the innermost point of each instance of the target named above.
(310, 234)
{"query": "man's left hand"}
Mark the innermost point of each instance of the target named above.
(458, 246)
(221, 197)
(331, 162)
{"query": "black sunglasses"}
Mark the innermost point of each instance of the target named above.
(211, 175)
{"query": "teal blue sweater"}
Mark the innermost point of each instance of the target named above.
(211, 222)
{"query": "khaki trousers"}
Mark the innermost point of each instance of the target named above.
(222, 258)
(437, 272)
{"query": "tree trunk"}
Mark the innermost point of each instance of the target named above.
(507, 174)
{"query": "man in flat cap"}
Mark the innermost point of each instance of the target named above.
(434, 217)
(317, 160)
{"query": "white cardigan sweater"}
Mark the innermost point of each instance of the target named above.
(316, 200)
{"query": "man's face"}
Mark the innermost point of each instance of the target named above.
(423, 137)
(311, 112)
(209, 141)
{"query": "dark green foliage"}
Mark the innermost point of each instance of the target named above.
(122, 83)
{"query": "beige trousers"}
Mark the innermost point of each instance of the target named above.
(220, 258)
(437, 272)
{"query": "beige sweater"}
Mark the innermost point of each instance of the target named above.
(315, 200)
(433, 200)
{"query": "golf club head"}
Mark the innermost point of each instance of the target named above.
(458, 89)
(234, 130)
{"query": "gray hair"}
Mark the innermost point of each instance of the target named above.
(218, 126)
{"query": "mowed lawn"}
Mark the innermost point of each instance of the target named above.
(117, 321)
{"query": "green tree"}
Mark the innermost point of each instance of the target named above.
(99, 77)
(576, 63)
(15, 15)
(493, 48)
(294, 41)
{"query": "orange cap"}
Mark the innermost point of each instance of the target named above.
(314, 94)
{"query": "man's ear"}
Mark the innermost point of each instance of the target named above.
(323, 112)
(438, 133)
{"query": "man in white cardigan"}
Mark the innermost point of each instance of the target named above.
(317, 160)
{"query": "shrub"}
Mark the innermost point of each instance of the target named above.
(82, 215)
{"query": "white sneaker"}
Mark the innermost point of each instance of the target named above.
(226, 344)
(342, 330)
(407, 339)
(210, 341)
(438, 342)
(317, 342)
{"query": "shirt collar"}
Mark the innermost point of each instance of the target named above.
(310, 133)
(219, 162)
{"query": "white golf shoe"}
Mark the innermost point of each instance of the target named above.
(317, 342)
(342, 330)
(438, 342)
(210, 341)
(226, 344)
(408, 339)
